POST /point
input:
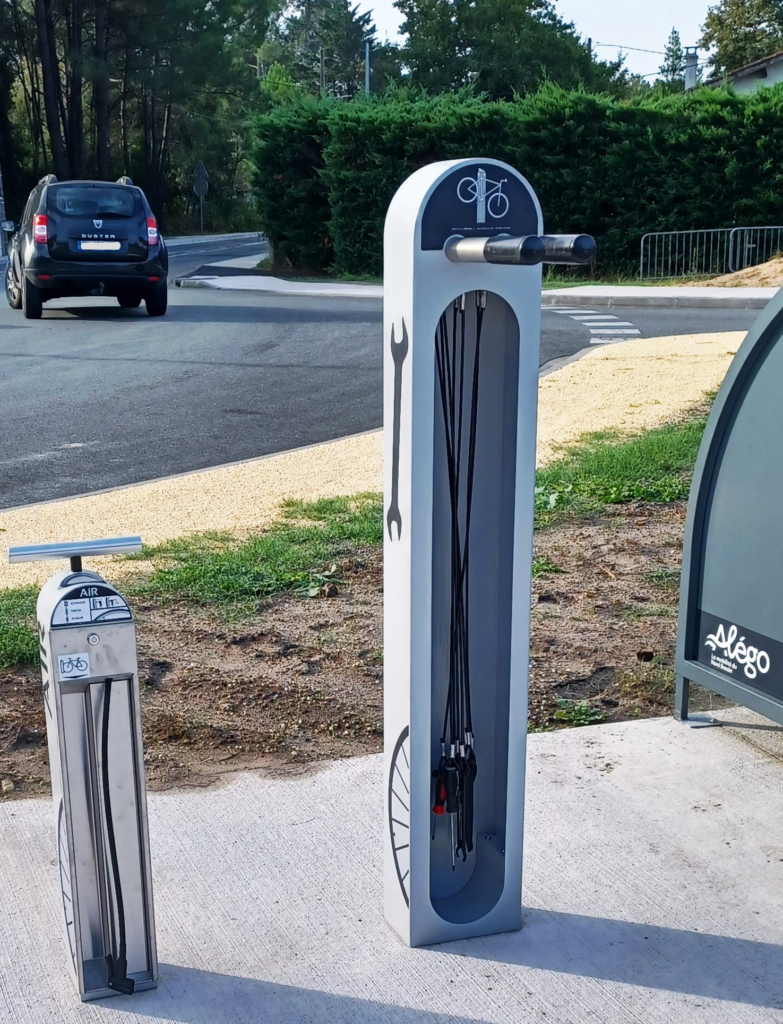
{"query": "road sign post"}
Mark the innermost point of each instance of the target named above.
(462, 276)
(3, 244)
(201, 188)
(730, 636)
(93, 723)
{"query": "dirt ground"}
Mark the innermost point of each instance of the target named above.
(765, 275)
(301, 682)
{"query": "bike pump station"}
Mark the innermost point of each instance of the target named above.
(463, 248)
(93, 722)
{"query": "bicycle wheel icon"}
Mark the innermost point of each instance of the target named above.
(467, 190)
(497, 205)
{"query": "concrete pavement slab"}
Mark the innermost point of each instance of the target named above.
(653, 893)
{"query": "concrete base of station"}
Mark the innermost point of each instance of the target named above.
(653, 888)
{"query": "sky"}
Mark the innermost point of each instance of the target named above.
(643, 24)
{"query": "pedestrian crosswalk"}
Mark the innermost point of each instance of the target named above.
(604, 328)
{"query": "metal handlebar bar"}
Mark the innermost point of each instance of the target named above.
(524, 250)
(75, 549)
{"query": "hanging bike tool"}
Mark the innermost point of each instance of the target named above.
(93, 723)
(463, 249)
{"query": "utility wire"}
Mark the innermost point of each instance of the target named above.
(636, 49)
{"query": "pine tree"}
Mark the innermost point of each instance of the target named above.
(673, 65)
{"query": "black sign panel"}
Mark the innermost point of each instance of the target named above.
(741, 654)
(731, 598)
(478, 200)
(89, 590)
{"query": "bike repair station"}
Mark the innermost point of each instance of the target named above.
(93, 724)
(463, 249)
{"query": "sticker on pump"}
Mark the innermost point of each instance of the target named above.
(92, 603)
(73, 666)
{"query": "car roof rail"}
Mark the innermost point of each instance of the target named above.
(124, 180)
(48, 179)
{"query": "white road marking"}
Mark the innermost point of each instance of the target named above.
(622, 330)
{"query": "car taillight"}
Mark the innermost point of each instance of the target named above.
(40, 229)
(152, 231)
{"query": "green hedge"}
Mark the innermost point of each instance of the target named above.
(615, 169)
(291, 196)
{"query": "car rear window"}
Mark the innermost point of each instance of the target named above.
(93, 200)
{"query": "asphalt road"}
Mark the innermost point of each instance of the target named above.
(94, 396)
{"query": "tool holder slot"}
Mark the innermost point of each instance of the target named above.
(464, 890)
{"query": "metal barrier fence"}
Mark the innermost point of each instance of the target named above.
(707, 252)
(750, 246)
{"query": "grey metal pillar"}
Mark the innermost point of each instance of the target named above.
(682, 693)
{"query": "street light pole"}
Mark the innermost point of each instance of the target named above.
(367, 67)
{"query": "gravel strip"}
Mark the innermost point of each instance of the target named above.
(632, 386)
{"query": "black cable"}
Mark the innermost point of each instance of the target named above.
(457, 769)
(117, 961)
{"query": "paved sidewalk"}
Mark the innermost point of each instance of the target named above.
(653, 887)
(663, 296)
(236, 236)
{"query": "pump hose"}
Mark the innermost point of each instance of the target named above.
(118, 961)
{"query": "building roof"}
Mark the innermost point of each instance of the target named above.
(748, 70)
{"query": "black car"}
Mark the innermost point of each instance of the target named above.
(87, 238)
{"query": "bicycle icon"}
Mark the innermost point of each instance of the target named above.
(488, 196)
(72, 666)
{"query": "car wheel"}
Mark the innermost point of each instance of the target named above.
(157, 302)
(12, 290)
(32, 300)
(129, 301)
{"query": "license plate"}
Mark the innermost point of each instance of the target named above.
(99, 246)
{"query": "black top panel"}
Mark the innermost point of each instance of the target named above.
(478, 200)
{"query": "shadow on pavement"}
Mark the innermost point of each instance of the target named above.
(675, 960)
(200, 997)
(296, 313)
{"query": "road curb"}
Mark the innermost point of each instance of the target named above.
(553, 298)
(351, 292)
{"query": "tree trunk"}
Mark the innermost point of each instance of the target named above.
(9, 166)
(101, 88)
(50, 73)
(75, 105)
(124, 116)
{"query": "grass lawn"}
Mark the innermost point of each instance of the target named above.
(299, 553)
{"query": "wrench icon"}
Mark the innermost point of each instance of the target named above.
(399, 351)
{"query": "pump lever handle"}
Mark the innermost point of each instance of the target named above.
(75, 549)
